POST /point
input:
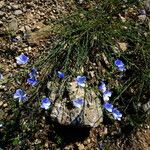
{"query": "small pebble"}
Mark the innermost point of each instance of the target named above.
(15, 7)
(18, 12)
(81, 147)
(1, 23)
(2, 13)
(1, 103)
(5, 105)
(2, 3)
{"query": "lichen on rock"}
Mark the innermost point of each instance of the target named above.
(65, 113)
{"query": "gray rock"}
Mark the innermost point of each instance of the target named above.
(2, 13)
(63, 111)
(22, 29)
(25, 29)
(13, 25)
(147, 5)
(146, 107)
(11, 17)
(9, 7)
(24, 9)
(2, 3)
(142, 17)
(18, 12)
(1, 23)
(15, 7)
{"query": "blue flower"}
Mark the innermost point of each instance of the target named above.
(81, 81)
(108, 107)
(61, 74)
(33, 73)
(20, 94)
(106, 95)
(120, 65)
(33, 81)
(116, 114)
(78, 102)
(22, 59)
(102, 87)
(142, 12)
(100, 145)
(33, 77)
(45, 103)
(14, 39)
(121, 68)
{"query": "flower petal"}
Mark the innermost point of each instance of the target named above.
(20, 94)
(32, 81)
(22, 59)
(116, 114)
(61, 74)
(142, 12)
(81, 81)
(81, 84)
(33, 73)
(106, 95)
(102, 87)
(121, 68)
(108, 106)
(45, 103)
(78, 102)
(119, 63)
(81, 78)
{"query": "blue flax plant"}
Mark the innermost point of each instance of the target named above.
(87, 40)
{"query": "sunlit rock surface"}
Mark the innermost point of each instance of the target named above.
(65, 113)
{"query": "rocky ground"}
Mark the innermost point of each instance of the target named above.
(20, 23)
